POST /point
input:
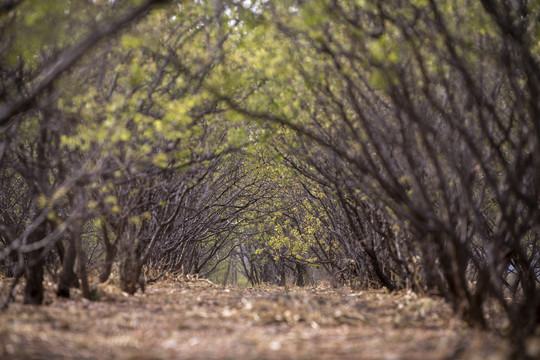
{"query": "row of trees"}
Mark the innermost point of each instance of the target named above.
(391, 145)
(420, 121)
(122, 160)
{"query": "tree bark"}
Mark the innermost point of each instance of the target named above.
(68, 278)
(33, 292)
(81, 264)
(110, 254)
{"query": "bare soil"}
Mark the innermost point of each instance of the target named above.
(195, 319)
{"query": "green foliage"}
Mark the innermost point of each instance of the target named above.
(416, 115)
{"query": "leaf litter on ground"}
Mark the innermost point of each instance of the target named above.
(187, 318)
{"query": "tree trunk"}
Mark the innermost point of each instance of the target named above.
(81, 264)
(110, 254)
(33, 292)
(227, 273)
(68, 278)
(301, 271)
(234, 279)
(130, 268)
(282, 275)
(130, 274)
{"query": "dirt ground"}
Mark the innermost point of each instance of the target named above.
(195, 319)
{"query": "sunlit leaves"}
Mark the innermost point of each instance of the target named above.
(130, 41)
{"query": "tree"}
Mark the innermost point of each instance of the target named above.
(428, 109)
(395, 142)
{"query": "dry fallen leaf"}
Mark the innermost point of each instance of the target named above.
(189, 317)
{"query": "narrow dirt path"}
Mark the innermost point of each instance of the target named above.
(196, 319)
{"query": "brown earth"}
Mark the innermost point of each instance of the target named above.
(192, 318)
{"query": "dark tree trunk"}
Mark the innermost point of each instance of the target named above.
(61, 251)
(33, 292)
(130, 268)
(383, 278)
(68, 278)
(130, 274)
(301, 271)
(282, 275)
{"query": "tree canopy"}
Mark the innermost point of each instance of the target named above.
(384, 144)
